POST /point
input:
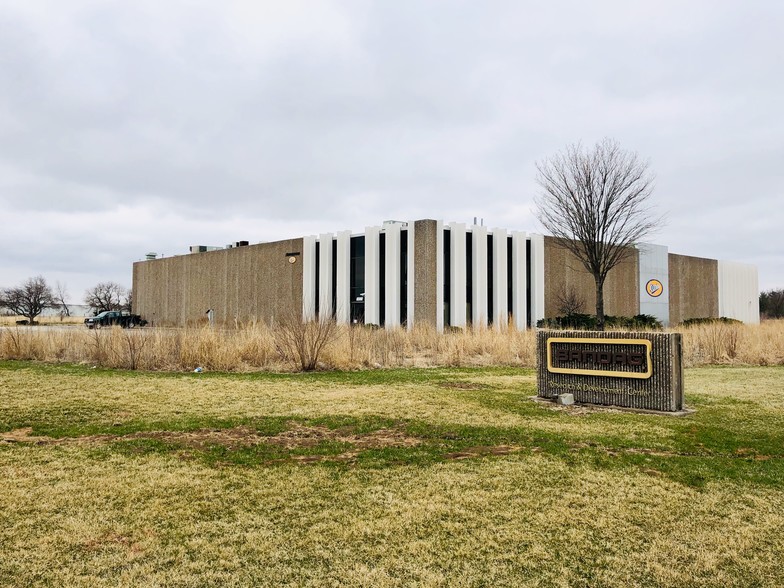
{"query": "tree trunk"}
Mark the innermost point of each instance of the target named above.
(599, 304)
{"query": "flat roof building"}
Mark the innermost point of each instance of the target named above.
(427, 271)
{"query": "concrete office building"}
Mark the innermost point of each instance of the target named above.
(428, 271)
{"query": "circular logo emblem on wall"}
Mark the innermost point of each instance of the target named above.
(654, 288)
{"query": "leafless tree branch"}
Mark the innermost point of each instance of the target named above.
(30, 299)
(105, 296)
(596, 204)
(60, 295)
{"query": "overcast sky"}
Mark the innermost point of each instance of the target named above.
(129, 127)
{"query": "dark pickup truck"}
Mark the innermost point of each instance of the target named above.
(109, 318)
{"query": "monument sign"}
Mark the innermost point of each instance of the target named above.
(633, 370)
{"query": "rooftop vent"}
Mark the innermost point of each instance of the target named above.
(203, 248)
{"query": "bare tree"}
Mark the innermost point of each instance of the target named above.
(30, 299)
(596, 204)
(105, 296)
(569, 301)
(60, 294)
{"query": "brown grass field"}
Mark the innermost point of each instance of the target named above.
(257, 347)
(397, 477)
(10, 320)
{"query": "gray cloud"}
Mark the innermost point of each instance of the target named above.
(129, 127)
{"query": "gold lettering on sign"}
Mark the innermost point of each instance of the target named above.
(601, 359)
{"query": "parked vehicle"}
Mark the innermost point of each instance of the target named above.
(110, 318)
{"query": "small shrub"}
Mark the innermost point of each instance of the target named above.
(709, 320)
(577, 321)
(587, 322)
(302, 342)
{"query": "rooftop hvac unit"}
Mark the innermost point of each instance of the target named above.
(151, 255)
(204, 248)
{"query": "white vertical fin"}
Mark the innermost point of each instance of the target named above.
(410, 278)
(392, 275)
(308, 278)
(457, 275)
(479, 276)
(537, 278)
(326, 309)
(343, 290)
(440, 276)
(519, 280)
(500, 294)
(372, 262)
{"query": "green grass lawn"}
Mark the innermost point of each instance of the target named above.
(433, 477)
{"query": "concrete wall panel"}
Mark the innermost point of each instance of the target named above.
(694, 288)
(426, 262)
(738, 291)
(256, 282)
(565, 273)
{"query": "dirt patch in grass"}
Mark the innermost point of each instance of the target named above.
(296, 437)
(23, 435)
(304, 436)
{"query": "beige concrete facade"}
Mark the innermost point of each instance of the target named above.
(256, 282)
(450, 271)
(564, 272)
(694, 287)
(425, 271)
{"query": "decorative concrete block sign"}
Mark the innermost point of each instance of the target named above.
(633, 370)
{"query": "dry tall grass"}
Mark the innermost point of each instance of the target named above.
(9, 320)
(721, 343)
(257, 347)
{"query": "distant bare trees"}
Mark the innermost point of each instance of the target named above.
(30, 299)
(106, 296)
(596, 204)
(60, 294)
